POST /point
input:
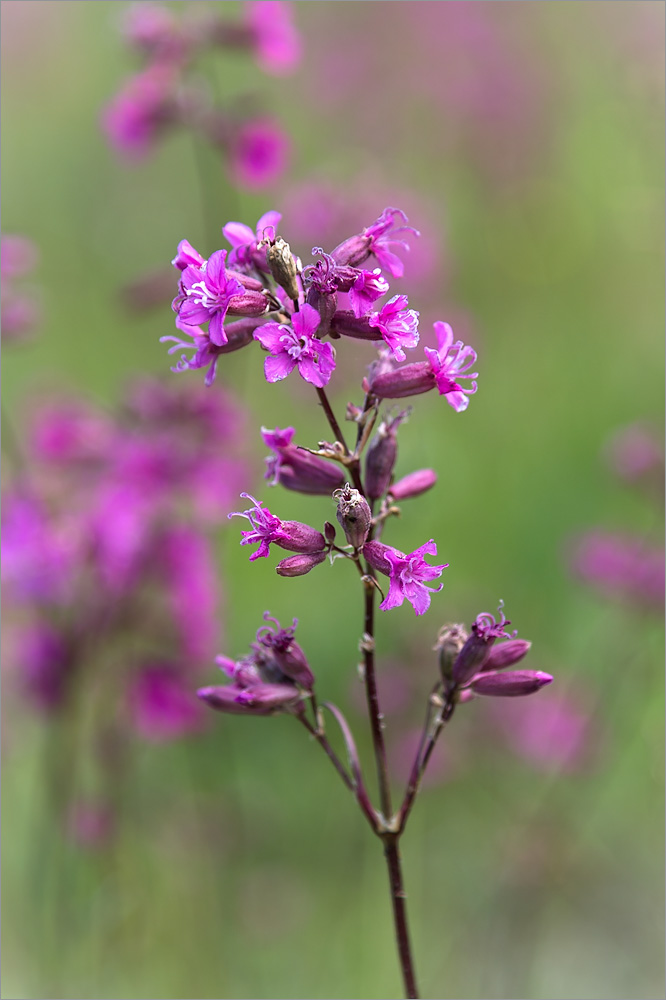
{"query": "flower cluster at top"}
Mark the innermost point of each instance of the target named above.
(168, 92)
(108, 556)
(258, 291)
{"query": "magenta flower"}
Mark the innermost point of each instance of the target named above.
(621, 566)
(295, 468)
(398, 325)
(245, 242)
(477, 649)
(267, 528)
(295, 345)
(187, 256)
(206, 354)
(449, 363)
(367, 288)
(276, 40)
(162, 706)
(266, 680)
(443, 368)
(141, 111)
(408, 574)
(205, 293)
(377, 239)
(258, 153)
(382, 235)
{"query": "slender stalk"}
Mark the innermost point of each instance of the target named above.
(372, 699)
(332, 419)
(328, 750)
(339, 436)
(391, 828)
(421, 762)
(398, 899)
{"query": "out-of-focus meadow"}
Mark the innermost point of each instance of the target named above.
(525, 141)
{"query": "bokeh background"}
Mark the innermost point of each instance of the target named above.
(525, 140)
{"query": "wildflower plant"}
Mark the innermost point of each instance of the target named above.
(259, 292)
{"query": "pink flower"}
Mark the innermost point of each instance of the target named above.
(295, 345)
(244, 241)
(449, 363)
(377, 239)
(367, 288)
(277, 43)
(162, 706)
(267, 528)
(550, 733)
(140, 112)
(398, 325)
(382, 235)
(266, 680)
(621, 566)
(205, 293)
(408, 574)
(258, 153)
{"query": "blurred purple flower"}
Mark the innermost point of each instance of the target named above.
(44, 660)
(19, 312)
(635, 452)
(621, 566)
(193, 593)
(258, 153)
(90, 823)
(162, 705)
(550, 733)
(276, 41)
(139, 114)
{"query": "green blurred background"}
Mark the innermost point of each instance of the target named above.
(240, 869)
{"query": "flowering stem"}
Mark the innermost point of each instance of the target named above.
(423, 755)
(398, 897)
(332, 420)
(372, 697)
(328, 750)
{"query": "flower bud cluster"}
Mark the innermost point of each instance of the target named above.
(471, 664)
(274, 677)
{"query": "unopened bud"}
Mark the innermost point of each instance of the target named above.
(506, 654)
(450, 641)
(513, 684)
(354, 515)
(407, 380)
(326, 305)
(381, 456)
(300, 564)
(413, 485)
(284, 267)
(250, 303)
(329, 532)
(375, 553)
(298, 537)
(470, 659)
